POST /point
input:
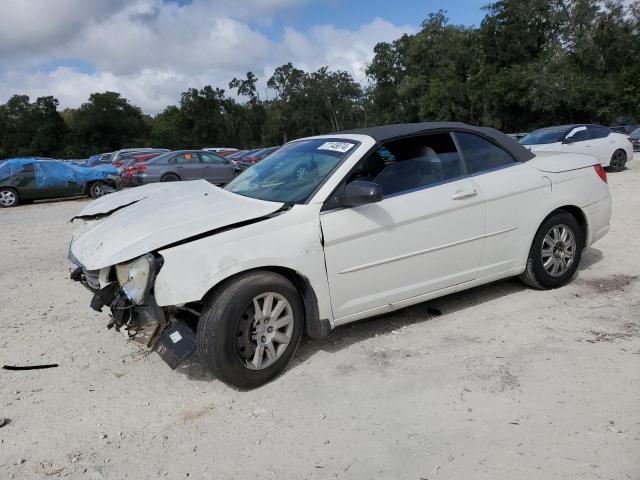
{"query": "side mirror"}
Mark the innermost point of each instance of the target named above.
(359, 193)
(567, 140)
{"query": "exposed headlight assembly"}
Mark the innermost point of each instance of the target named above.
(135, 277)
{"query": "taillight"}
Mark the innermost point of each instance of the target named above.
(117, 164)
(601, 173)
(142, 168)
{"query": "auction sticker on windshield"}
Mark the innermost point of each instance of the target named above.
(341, 147)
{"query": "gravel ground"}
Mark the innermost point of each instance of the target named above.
(507, 383)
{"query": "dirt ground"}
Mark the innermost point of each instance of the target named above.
(508, 383)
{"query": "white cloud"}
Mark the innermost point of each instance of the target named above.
(151, 51)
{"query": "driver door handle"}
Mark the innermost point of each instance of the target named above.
(462, 194)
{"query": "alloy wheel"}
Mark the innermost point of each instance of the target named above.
(558, 250)
(619, 159)
(264, 330)
(7, 198)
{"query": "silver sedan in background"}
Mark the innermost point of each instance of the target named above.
(185, 165)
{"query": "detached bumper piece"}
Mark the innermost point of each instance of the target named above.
(147, 324)
(176, 344)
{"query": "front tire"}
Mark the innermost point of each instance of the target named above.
(9, 197)
(555, 253)
(250, 328)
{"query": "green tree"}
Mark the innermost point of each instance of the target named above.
(31, 128)
(164, 129)
(108, 122)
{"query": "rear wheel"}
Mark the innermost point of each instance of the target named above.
(250, 329)
(8, 197)
(618, 160)
(555, 253)
(170, 177)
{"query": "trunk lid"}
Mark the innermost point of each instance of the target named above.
(554, 162)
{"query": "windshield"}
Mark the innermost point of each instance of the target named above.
(635, 134)
(542, 137)
(294, 172)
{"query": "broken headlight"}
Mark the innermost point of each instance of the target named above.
(134, 277)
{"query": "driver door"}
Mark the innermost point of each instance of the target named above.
(424, 236)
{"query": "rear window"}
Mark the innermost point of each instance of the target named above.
(481, 155)
(545, 136)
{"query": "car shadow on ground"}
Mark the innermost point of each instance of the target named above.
(353, 333)
(63, 199)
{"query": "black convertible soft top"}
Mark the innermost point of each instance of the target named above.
(390, 132)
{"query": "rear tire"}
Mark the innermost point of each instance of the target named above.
(618, 161)
(232, 330)
(555, 253)
(170, 177)
(9, 197)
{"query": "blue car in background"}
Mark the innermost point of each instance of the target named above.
(23, 180)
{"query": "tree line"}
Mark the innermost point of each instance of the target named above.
(530, 63)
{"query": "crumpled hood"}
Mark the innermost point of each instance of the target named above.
(124, 225)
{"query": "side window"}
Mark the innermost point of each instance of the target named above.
(579, 134)
(211, 158)
(411, 163)
(480, 154)
(185, 158)
(596, 133)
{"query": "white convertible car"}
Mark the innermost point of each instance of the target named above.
(330, 230)
(612, 149)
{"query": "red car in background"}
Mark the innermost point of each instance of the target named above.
(129, 168)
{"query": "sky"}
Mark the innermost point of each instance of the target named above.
(152, 50)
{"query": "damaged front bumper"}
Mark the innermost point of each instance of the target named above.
(155, 327)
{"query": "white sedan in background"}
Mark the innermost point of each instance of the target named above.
(384, 218)
(612, 149)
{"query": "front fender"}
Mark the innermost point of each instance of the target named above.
(291, 240)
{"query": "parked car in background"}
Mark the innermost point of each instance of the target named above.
(100, 159)
(240, 153)
(256, 156)
(184, 165)
(222, 151)
(612, 149)
(388, 217)
(626, 129)
(634, 138)
(24, 180)
(120, 156)
(127, 158)
(517, 136)
(129, 168)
